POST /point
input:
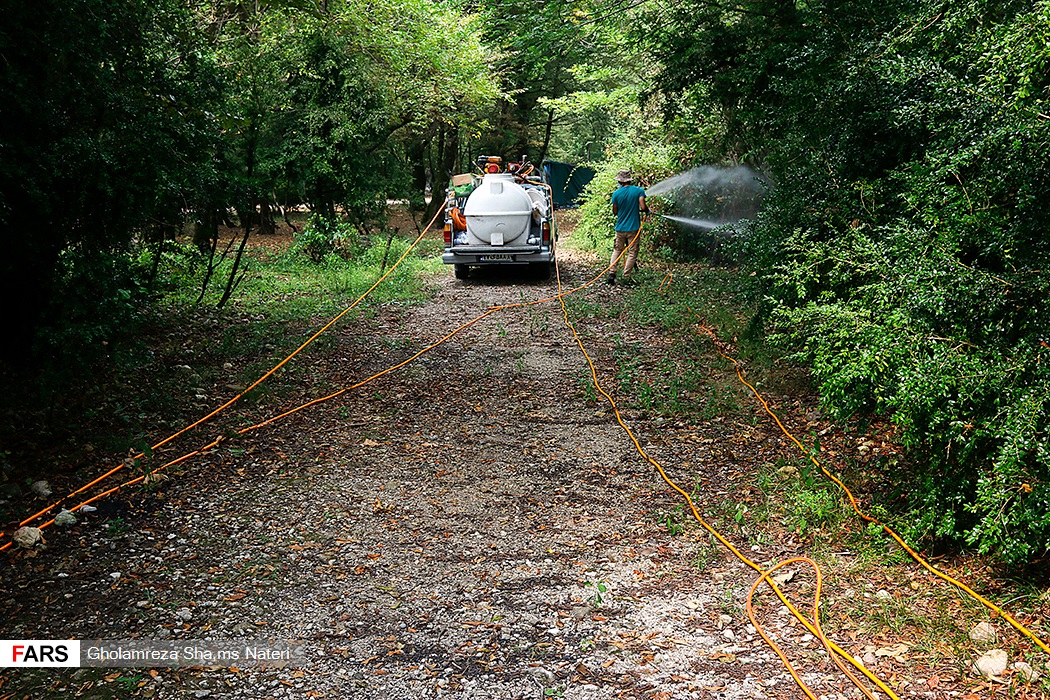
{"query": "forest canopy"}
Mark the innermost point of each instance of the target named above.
(127, 123)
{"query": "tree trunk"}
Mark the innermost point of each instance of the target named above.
(446, 159)
(206, 228)
(267, 224)
(417, 157)
(155, 267)
(546, 137)
(283, 208)
(323, 203)
(234, 280)
(525, 106)
(213, 246)
(386, 251)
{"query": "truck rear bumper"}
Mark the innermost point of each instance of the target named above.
(496, 255)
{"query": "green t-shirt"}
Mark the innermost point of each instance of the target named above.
(628, 213)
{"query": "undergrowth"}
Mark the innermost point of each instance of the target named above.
(168, 360)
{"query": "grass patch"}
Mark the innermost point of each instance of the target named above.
(683, 375)
(180, 359)
(289, 285)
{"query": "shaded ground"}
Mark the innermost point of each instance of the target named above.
(473, 526)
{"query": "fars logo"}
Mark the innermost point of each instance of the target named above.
(35, 652)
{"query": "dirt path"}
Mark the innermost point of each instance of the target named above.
(475, 526)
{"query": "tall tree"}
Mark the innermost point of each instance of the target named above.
(104, 127)
(539, 45)
(362, 85)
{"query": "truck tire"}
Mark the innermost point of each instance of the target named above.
(462, 272)
(542, 271)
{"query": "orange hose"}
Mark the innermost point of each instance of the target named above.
(239, 396)
(814, 629)
(309, 340)
(665, 283)
(292, 411)
(868, 518)
(244, 431)
(815, 621)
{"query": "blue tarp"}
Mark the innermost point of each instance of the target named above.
(567, 181)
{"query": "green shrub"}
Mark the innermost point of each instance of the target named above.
(95, 311)
(320, 237)
(903, 250)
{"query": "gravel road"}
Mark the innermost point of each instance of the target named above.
(475, 525)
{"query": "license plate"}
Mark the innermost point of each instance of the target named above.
(497, 258)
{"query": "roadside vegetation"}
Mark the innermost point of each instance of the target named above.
(901, 251)
(174, 359)
(766, 496)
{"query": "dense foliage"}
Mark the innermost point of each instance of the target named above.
(126, 123)
(543, 50)
(102, 136)
(904, 246)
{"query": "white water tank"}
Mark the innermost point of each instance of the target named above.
(498, 212)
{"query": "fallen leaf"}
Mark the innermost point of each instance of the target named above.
(896, 651)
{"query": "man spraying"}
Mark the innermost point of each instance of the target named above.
(628, 203)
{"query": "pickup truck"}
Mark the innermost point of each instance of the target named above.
(500, 217)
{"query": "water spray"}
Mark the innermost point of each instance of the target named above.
(705, 224)
(710, 197)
